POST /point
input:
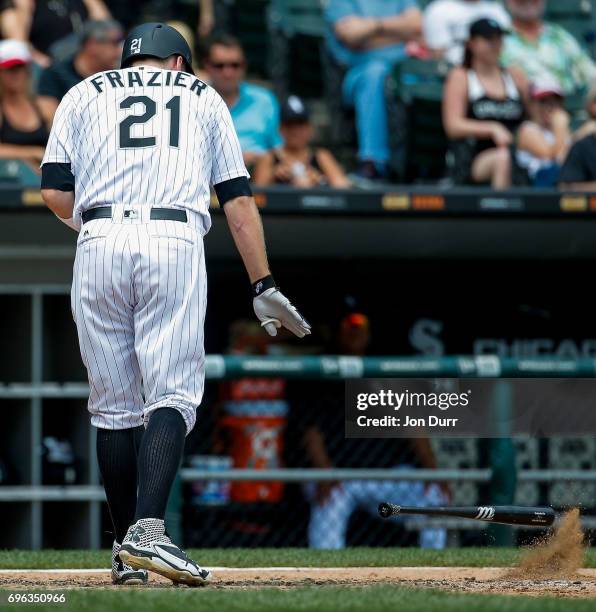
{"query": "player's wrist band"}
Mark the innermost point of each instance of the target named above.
(262, 285)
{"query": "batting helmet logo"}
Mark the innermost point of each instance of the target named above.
(135, 45)
(485, 513)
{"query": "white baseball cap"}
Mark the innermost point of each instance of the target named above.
(546, 87)
(13, 53)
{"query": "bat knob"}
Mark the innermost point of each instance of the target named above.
(386, 510)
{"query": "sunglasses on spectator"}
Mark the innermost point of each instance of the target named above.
(222, 65)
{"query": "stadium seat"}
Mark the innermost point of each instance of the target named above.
(342, 132)
(557, 10)
(296, 30)
(584, 31)
(17, 172)
(575, 104)
(418, 141)
(297, 17)
(251, 29)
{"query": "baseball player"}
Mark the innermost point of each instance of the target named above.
(129, 164)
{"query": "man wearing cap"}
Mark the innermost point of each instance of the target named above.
(545, 50)
(446, 25)
(101, 45)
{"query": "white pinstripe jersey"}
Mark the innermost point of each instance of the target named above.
(145, 135)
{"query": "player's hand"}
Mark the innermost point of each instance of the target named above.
(274, 310)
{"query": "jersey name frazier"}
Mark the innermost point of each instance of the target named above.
(141, 78)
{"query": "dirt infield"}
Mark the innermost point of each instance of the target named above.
(454, 579)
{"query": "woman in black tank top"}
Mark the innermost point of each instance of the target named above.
(483, 105)
(23, 134)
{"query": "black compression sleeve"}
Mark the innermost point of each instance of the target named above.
(57, 176)
(233, 188)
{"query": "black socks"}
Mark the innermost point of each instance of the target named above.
(117, 457)
(159, 459)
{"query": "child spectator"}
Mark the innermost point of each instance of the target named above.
(483, 106)
(543, 141)
(545, 50)
(447, 25)
(295, 163)
(23, 134)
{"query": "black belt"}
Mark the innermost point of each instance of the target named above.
(156, 214)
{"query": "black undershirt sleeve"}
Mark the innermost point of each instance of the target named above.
(232, 188)
(57, 176)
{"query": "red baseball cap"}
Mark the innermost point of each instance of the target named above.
(13, 53)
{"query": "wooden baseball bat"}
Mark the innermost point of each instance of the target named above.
(507, 515)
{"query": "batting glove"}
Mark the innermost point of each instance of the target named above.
(273, 309)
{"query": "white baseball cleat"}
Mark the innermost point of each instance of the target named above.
(147, 546)
(124, 574)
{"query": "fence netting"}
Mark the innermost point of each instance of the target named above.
(269, 423)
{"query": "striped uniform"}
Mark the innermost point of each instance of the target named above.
(135, 139)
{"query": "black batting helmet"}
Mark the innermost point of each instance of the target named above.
(155, 40)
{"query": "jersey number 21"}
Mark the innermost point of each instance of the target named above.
(129, 142)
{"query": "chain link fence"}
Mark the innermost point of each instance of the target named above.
(255, 423)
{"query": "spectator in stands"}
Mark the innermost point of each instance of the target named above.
(42, 23)
(483, 105)
(447, 25)
(254, 109)
(23, 134)
(295, 163)
(542, 49)
(543, 141)
(100, 49)
(579, 169)
(368, 39)
(319, 428)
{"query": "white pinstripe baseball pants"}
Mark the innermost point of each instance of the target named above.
(138, 299)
